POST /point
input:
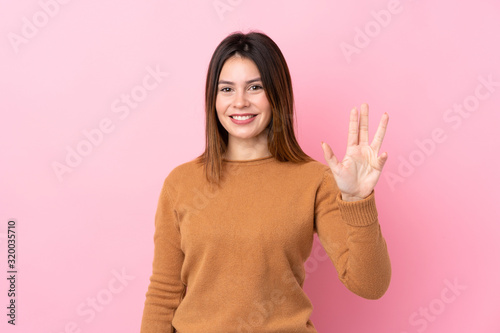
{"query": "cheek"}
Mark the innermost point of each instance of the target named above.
(221, 104)
(264, 106)
(218, 107)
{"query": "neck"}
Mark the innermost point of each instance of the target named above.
(247, 149)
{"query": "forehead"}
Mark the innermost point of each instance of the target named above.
(238, 67)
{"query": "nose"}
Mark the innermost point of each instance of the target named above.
(240, 100)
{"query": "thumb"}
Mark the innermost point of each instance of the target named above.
(329, 155)
(383, 159)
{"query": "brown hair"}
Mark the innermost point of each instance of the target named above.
(277, 85)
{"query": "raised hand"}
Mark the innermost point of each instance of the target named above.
(360, 169)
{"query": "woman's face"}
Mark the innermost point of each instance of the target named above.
(240, 92)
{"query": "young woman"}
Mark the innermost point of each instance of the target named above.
(235, 225)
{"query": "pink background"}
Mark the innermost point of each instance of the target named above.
(436, 198)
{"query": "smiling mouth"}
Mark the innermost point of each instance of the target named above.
(243, 117)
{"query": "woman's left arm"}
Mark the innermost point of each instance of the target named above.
(347, 223)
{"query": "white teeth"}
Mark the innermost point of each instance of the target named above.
(242, 117)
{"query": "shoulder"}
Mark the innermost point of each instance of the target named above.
(183, 172)
(320, 174)
(313, 168)
(310, 172)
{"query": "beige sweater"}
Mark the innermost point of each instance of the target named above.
(231, 259)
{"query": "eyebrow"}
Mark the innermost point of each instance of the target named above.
(232, 83)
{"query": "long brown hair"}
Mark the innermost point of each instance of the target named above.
(277, 85)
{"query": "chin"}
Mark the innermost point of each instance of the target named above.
(246, 136)
(242, 136)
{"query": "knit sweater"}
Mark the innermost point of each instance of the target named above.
(231, 258)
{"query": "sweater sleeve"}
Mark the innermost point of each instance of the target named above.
(165, 289)
(351, 236)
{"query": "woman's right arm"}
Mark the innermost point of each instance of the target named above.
(165, 289)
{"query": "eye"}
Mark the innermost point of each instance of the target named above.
(226, 89)
(255, 87)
